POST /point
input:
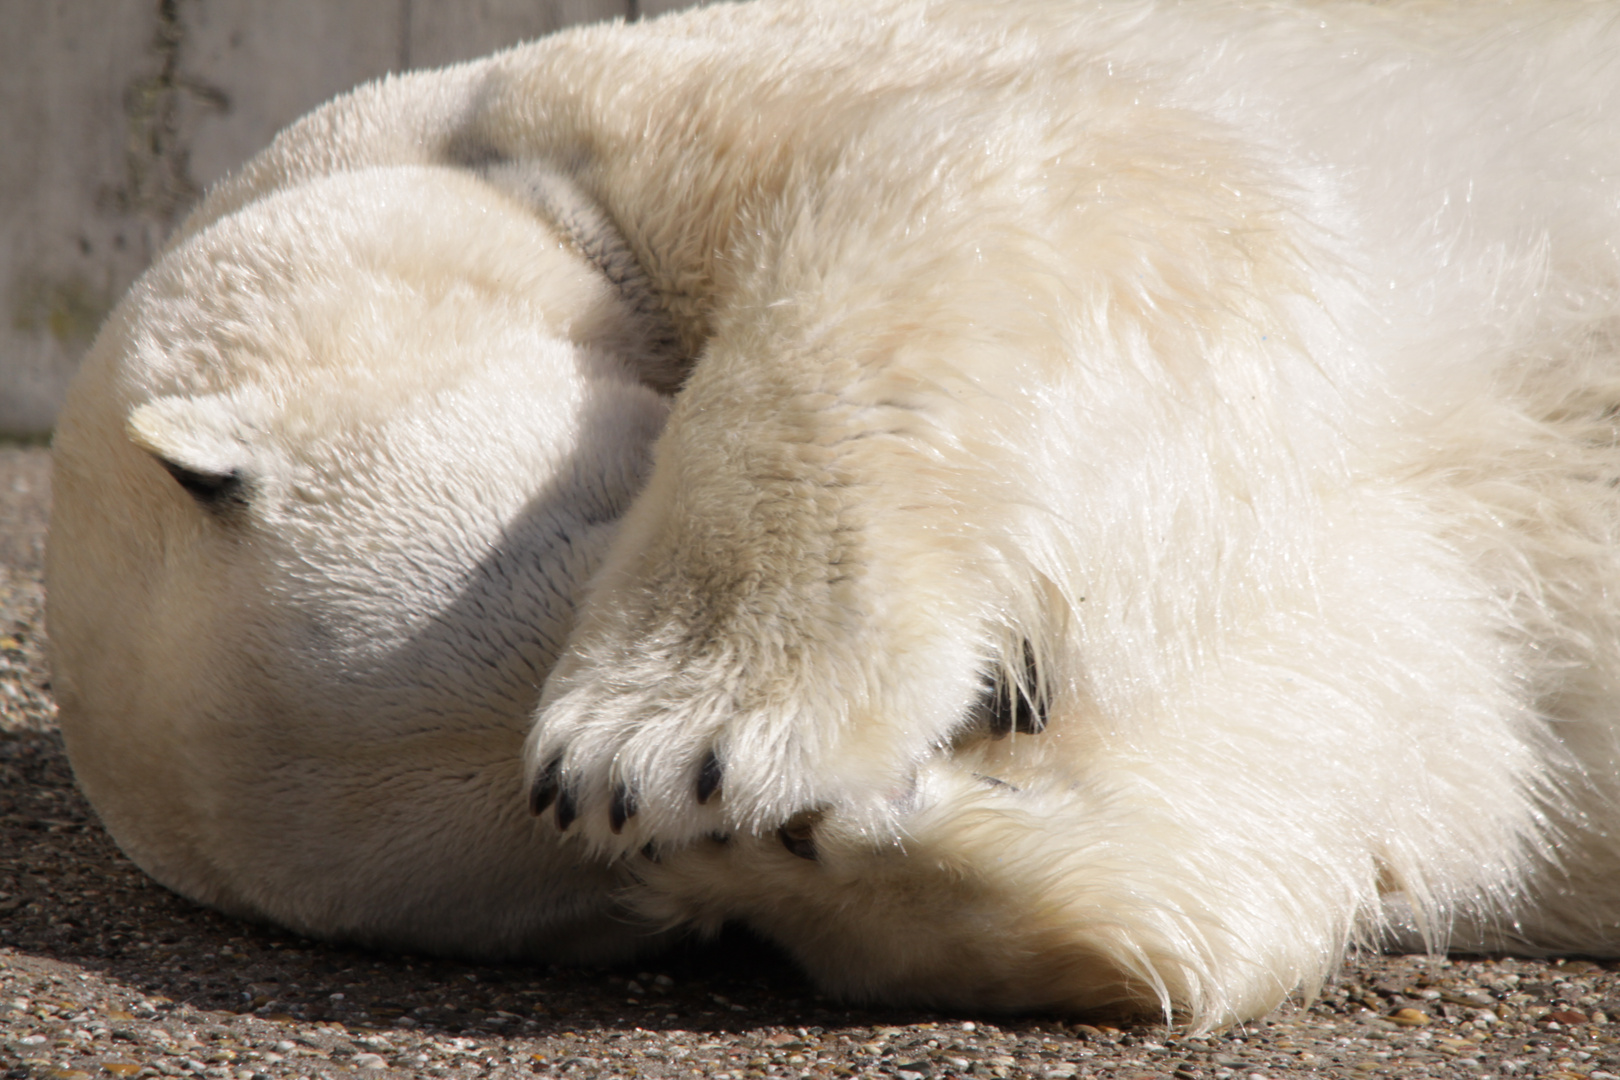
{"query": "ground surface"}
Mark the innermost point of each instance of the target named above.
(103, 973)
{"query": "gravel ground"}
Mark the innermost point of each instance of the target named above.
(104, 973)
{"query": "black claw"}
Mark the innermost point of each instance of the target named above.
(1027, 718)
(621, 809)
(650, 853)
(544, 790)
(566, 810)
(709, 776)
(1031, 718)
(799, 834)
(1010, 709)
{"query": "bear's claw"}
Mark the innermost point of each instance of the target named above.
(544, 790)
(710, 775)
(621, 809)
(566, 811)
(799, 834)
(1011, 709)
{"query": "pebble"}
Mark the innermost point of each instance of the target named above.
(1410, 1017)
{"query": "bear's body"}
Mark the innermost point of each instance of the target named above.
(1222, 398)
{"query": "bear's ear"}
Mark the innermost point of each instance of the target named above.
(199, 441)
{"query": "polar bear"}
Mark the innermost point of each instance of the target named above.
(1030, 505)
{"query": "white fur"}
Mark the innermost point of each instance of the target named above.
(1250, 368)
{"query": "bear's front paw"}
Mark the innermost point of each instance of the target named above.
(667, 758)
(622, 767)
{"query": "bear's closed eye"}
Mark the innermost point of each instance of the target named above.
(217, 492)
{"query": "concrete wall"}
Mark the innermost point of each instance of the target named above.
(116, 114)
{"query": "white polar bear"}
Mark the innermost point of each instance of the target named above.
(1139, 507)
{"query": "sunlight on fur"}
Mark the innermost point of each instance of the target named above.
(1038, 505)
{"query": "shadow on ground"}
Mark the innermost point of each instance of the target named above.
(71, 896)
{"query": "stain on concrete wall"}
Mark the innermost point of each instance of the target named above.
(157, 184)
(118, 114)
(68, 310)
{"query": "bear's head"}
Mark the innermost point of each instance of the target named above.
(327, 490)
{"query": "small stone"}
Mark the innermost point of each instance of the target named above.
(1410, 1017)
(120, 1068)
(1471, 1000)
(1567, 1017)
(370, 1061)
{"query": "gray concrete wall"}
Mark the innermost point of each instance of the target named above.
(116, 114)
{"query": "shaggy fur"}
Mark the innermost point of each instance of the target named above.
(1221, 398)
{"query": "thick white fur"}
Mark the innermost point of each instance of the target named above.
(1251, 366)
